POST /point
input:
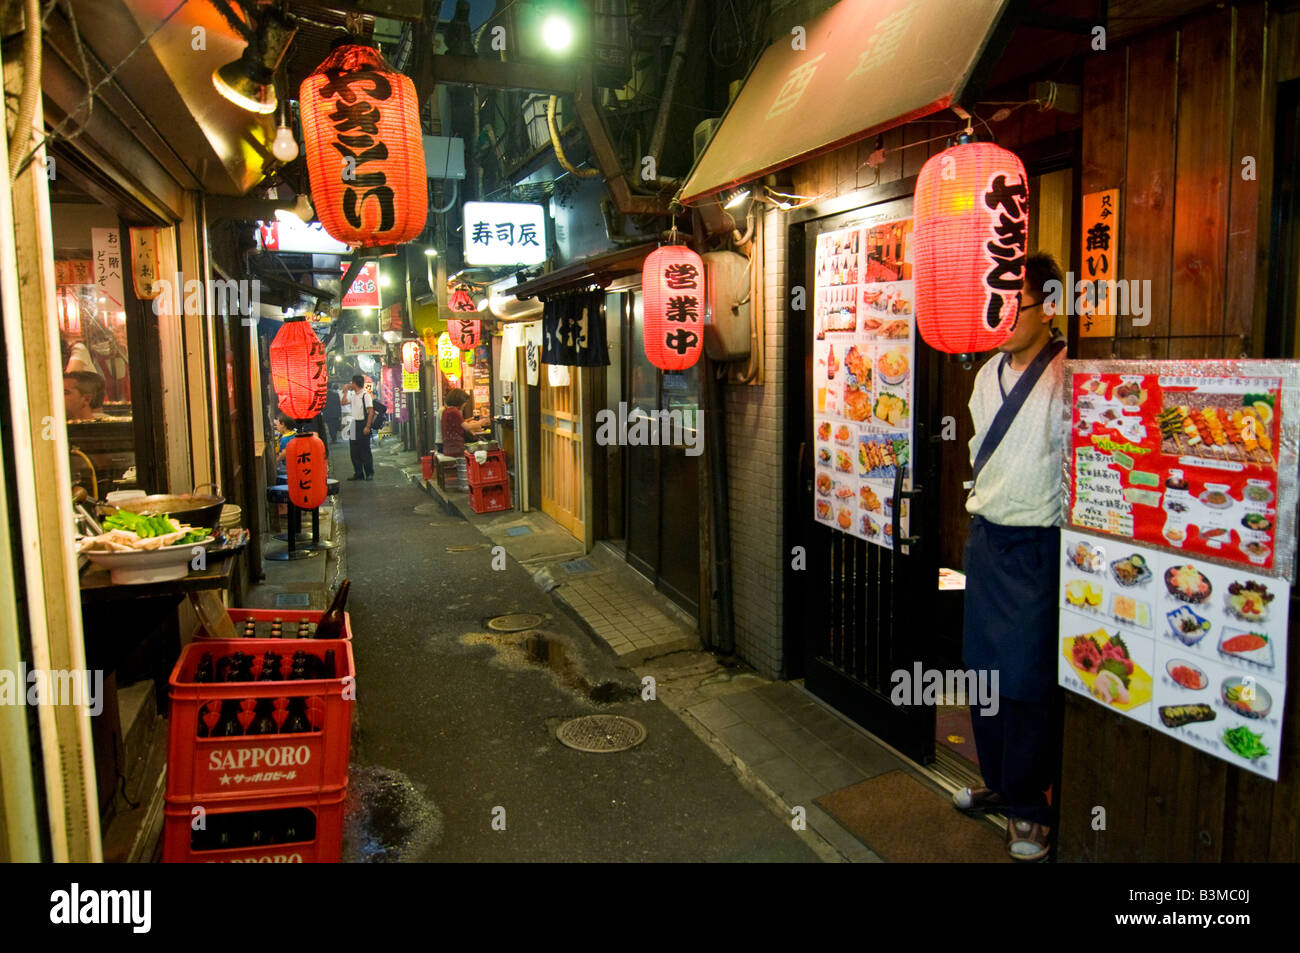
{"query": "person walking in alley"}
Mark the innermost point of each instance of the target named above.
(333, 413)
(362, 412)
(1012, 569)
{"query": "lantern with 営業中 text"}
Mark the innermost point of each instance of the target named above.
(411, 357)
(305, 470)
(298, 370)
(970, 215)
(672, 289)
(461, 301)
(364, 149)
(464, 334)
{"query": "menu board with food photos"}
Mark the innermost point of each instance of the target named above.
(1192, 648)
(863, 358)
(1193, 456)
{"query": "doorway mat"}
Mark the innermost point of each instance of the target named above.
(905, 822)
(953, 730)
(577, 566)
(519, 531)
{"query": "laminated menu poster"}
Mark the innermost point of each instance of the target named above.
(1194, 456)
(1192, 648)
(863, 359)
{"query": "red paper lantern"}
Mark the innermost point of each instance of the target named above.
(69, 313)
(461, 301)
(364, 150)
(411, 357)
(298, 370)
(672, 288)
(464, 334)
(970, 215)
(306, 471)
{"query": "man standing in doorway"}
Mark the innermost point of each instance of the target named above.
(1013, 572)
(363, 416)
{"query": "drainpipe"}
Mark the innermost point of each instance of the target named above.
(717, 447)
(670, 82)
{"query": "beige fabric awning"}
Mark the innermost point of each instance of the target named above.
(868, 65)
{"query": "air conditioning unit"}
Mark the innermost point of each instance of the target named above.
(703, 133)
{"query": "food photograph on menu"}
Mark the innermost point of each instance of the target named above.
(864, 356)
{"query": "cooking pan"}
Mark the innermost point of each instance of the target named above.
(197, 509)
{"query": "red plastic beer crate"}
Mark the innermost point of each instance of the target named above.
(318, 815)
(258, 765)
(286, 616)
(490, 498)
(490, 471)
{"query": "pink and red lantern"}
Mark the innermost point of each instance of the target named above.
(970, 213)
(306, 471)
(461, 301)
(672, 288)
(464, 334)
(411, 357)
(364, 151)
(69, 313)
(298, 370)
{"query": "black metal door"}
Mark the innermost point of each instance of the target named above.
(869, 611)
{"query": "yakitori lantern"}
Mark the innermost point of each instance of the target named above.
(461, 301)
(298, 370)
(411, 357)
(448, 355)
(364, 150)
(672, 288)
(306, 471)
(968, 247)
(464, 334)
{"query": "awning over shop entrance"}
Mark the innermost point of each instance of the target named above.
(868, 65)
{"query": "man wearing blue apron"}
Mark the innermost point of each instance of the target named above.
(1012, 570)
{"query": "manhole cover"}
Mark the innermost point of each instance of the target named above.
(515, 622)
(601, 734)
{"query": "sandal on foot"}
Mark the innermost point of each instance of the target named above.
(977, 800)
(1027, 841)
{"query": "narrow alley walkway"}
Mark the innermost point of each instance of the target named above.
(455, 723)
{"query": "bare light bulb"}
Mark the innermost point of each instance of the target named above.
(285, 146)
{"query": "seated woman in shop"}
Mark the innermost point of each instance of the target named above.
(454, 423)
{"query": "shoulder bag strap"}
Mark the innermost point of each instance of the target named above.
(1014, 401)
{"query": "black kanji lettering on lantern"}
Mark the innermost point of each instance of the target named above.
(304, 484)
(528, 234)
(482, 233)
(466, 334)
(1009, 202)
(1098, 237)
(356, 127)
(681, 277)
(304, 457)
(681, 340)
(682, 308)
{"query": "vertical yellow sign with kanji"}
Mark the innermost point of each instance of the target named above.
(1100, 244)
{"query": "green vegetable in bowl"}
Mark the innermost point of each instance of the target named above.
(143, 526)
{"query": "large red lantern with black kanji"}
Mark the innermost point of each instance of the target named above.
(970, 214)
(364, 150)
(461, 301)
(464, 334)
(306, 471)
(298, 370)
(411, 357)
(672, 290)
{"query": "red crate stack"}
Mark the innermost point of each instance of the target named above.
(295, 778)
(489, 483)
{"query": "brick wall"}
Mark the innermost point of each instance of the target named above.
(756, 445)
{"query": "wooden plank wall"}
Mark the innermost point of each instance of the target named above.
(1168, 119)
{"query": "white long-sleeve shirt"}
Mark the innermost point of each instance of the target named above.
(1020, 484)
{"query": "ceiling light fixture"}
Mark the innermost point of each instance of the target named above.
(248, 82)
(285, 146)
(737, 197)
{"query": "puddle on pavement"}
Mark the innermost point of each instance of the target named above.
(545, 651)
(387, 818)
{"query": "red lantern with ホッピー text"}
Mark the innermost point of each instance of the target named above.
(970, 215)
(298, 370)
(305, 471)
(672, 289)
(464, 334)
(364, 149)
(411, 357)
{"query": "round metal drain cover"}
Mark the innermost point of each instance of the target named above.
(601, 734)
(515, 622)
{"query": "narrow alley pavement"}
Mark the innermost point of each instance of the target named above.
(454, 753)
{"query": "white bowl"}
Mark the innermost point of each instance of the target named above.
(146, 565)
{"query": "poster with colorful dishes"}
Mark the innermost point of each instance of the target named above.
(1192, 648)
(1194, 456)
(863, 358)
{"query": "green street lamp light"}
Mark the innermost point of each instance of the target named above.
(557, 33)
